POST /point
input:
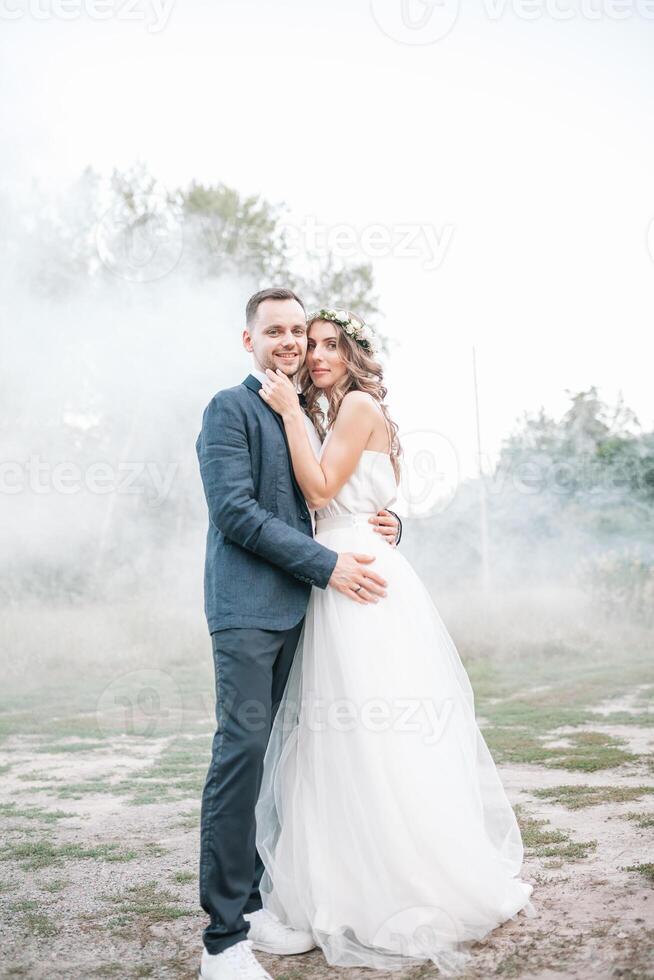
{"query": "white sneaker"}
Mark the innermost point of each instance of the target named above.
(237, 962)
(270, 935)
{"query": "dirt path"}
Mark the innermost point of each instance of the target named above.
(96, 885)
(104, 747)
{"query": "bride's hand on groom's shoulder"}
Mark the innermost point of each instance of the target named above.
(279, 392)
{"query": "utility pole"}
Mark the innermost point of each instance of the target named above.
(483, 510)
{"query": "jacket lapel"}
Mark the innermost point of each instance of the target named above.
(254, 384)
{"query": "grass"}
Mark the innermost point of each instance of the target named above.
(643, 720)
(45, 853)
(544, 690)
(57, 885)
(644, 869)
(578, 796)
(299, 975)
(149, 902)
(177, 773)
(189, 821)
(184, 877)
(84, 746)
(32, 920)
(536, 952)
(541, 688)
(588, 751)
(36, 776)
(39, 924)
(32, 813)
(642, 820)
(76, 791)
(54, 723)
(551, 843)
(176, 966)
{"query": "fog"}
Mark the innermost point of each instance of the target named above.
(118, 336)
(476, 182)
(103, 384)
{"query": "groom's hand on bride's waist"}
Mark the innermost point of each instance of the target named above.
(353, 577)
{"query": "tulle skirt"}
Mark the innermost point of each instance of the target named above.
(382, 821)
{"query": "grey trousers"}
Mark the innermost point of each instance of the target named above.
(251, 668)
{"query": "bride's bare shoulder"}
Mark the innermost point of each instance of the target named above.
(357, 400)
(360, 409)
(364, 405)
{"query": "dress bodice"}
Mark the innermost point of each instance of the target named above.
(371, 487)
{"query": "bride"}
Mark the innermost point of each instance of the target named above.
(382, 821)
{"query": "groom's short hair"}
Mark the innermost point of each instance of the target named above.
(273, 293)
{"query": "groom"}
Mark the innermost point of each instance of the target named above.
(261, 561)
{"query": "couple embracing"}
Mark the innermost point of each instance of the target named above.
(335, 813)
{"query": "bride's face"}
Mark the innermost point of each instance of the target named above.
(324, 362)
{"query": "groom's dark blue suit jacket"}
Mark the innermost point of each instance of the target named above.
(261, 558)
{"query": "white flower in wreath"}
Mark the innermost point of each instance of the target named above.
(342, 315)
(370, 339)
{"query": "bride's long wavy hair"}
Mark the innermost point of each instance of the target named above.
(364, 373)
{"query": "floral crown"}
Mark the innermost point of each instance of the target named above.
(354, 328)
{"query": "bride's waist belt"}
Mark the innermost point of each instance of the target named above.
(345, 520)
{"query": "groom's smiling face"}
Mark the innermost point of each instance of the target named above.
(277, 337)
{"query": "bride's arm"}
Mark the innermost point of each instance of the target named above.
(320, 480)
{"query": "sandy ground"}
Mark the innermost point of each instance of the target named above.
(100, 821)
(88, 916)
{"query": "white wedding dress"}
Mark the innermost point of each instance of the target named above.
(382, 821)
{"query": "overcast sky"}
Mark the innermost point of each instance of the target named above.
(498, 158)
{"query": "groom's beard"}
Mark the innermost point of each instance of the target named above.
(290, 366)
